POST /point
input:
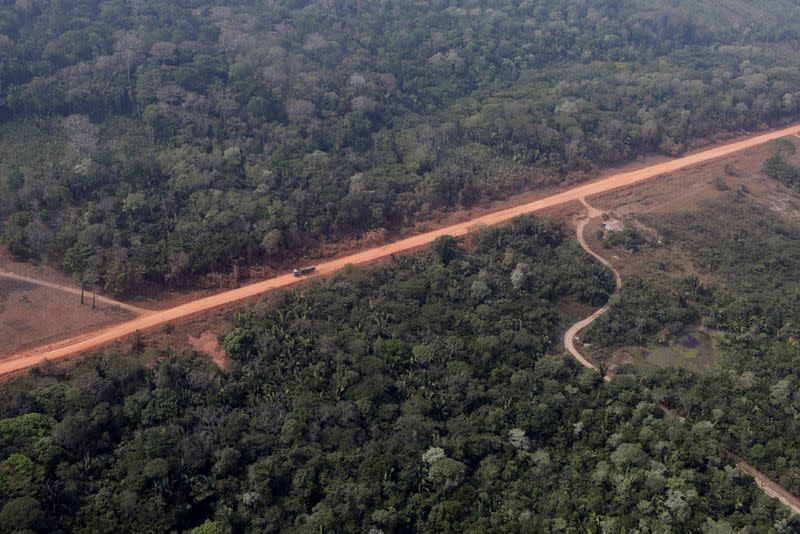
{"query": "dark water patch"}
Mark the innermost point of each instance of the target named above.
(689, 341)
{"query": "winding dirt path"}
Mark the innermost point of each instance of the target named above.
(574, 330)
(763, 482)
(98, 339)
(74, 291)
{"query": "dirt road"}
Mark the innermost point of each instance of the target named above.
(574, 330)
(98, 339)
(771, 488)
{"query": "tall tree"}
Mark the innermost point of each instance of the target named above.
(77, 261)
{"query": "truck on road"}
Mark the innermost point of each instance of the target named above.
(302, 271)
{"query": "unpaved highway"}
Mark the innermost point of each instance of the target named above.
(103, 337)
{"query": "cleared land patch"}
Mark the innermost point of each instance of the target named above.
(32, 314)
(707, 216)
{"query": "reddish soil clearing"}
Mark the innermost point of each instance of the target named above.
(31, 314)
(33, 270)
(686, 189)
(208, 344)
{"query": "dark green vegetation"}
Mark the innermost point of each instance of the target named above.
(175, 138)
(629, 237)
(421, 396)
(642, 309)
(752, 396)
(778, 168)
(786, 173)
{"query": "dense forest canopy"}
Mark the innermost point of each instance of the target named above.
(418, 396)
(176, 138)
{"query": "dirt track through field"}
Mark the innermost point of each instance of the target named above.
(98, 339)
(74, 291)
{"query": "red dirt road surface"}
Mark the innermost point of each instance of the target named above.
(98, 339)
(771, 488)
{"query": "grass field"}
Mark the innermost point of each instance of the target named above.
(693, 350)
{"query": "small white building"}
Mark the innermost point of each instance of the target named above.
(612, 226)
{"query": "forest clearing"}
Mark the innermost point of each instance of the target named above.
(572, 335)
(37, 314)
